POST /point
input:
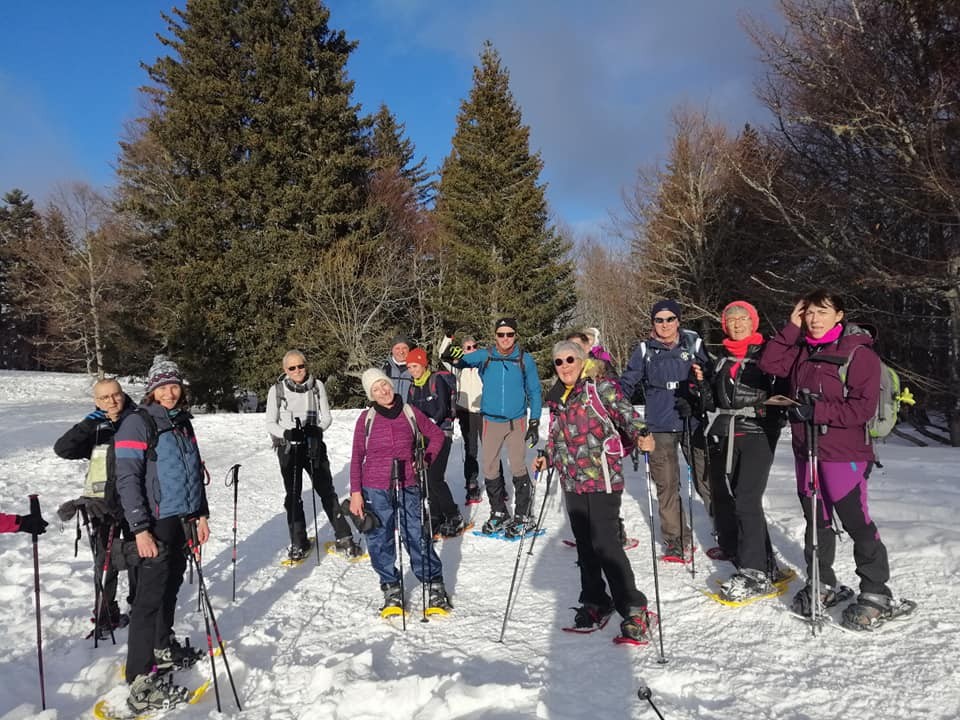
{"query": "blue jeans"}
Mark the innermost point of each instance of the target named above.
(380, 542)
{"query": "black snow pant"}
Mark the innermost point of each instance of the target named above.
(471, 424)
(595, 521)
(739, 518)
(442, 505)
(312, 458)
(159, 581)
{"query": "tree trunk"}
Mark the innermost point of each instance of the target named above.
(953, 352)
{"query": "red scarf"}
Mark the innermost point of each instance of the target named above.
(738, 348)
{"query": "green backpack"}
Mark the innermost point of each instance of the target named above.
(885, 417)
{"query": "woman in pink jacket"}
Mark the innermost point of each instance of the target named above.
(383, 455)
(811, 350)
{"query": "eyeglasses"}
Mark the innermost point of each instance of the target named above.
(661, 321)
(469, 347)
(110, 396)
(506, 334)
(301, 366)
(569, 360)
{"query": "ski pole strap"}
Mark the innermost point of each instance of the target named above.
(733, 414)
(76, 540)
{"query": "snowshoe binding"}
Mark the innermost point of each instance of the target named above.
(347, 548)
(176, 656)
(829, 597)
(495, 523)
(474, 495)
(589, 618)
(748, 585)
(871, 610)
(520, 525)
(392, 600)
(155, 691)
(438, 602)
(636, 628)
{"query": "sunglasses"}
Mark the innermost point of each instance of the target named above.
(506, 334)
(469, 347)
(301, 366)
(661, 321)
(569, 360)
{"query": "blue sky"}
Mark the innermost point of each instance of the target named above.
(596, 81)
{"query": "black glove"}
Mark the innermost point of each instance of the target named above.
(33, 524)
(294, 435)
(683, 408)
(97, 509)
(533, 433)
(312, 431)
(68, 510)
(800, 413)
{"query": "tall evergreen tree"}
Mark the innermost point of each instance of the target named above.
(501, 255)
(19, 222)
(391, 148)
(260, 157)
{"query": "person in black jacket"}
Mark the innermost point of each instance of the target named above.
(743, 437)
(431, 394)
(91, 439)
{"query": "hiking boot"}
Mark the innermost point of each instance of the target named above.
(495, 523)
(155, 692)
(437, 596)
(589, 616)
(745, 585)
(474, 495)
(392, 596)
(347, 547)
(828, 598)
(176, 656)
(520, 525)
(297, 553)
(636, 626)
(869, 610)
(452, 526)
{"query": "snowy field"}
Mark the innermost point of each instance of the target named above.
(307, 642)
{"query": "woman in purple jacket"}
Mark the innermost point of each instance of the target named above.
(810, 350)
(386, 433)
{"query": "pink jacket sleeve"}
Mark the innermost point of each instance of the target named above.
(781, 351)
(8, 523)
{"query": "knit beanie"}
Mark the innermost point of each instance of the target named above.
(748, 308)
(417, 356)
(671, 305)
(507, 322)
(370, 378)
(163, 371)
(403, 339)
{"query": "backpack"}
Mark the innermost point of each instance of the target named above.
(617, 443)
(451, 384)
(407, 413)
(689, 341)
(491, 358)
(888, 404)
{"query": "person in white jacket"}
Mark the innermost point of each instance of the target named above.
(469, 392)
(297, 415)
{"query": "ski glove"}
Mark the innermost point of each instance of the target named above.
(533, 433)
(683, 408)
(97, 415)
(800, 413)
(33, 524)
(294, 435)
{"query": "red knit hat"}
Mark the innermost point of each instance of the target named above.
(417, 356)
(743, 305)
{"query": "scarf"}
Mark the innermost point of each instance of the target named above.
(306, 386)
(422, 380)
(828, 337)
(738, 349)
(396, 407)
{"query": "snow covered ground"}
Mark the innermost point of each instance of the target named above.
(307, 642)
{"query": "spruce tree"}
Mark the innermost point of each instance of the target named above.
(19, 222)
(260, 155)
(501, 255)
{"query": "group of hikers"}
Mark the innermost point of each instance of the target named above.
(144, 489)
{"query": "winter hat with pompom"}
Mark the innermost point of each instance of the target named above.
(163, 371)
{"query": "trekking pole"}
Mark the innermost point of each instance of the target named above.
(35, 512)
(233, 480)
(313, 495)
(816, 609)
(425, 527)
(690, 464)
(516, 565)
(97, 581)
(209, 618)
(644, 694)
(653, 548)
(98, 609)
(397, 535)
(543, 504)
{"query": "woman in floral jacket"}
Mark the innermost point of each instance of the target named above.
(584, 413)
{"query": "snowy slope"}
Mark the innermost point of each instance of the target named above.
(307, 642)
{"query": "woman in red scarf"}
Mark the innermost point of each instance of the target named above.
(743, 437)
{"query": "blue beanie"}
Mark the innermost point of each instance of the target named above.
(671, 305)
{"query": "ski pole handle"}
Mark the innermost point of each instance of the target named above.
(35, 506)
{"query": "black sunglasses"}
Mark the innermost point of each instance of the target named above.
(506, 334)
(296, 367)
(661, 321)
(569, 360)
(469, 347)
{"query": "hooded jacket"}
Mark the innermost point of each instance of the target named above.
(843, 408)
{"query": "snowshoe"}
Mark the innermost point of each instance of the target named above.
(176, 656)
(438, 602)
(347, 548)
(155, 692)
(589, 618)
(747, 585)
(392, 600)
(635, 629)
(495, 523)
(474, 495)
(520, 525)
(829, 597)
(871, 610)
(675, 553)
(296, 554)
(451, 527)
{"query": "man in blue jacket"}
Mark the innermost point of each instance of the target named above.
(511, 385)
(663, 365)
